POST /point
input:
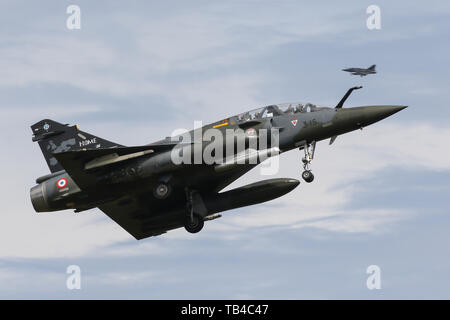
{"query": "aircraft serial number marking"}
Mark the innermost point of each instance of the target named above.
(87, 142)
(310, 123)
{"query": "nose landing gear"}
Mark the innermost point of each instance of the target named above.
(307, 175)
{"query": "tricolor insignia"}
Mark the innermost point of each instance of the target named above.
(251, 132)
(61, 183)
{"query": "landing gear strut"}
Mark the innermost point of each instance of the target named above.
(307, 159)
(193, 222)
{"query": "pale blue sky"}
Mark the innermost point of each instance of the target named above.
(138, 70)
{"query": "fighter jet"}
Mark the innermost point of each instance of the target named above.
(151, 189)
(361, 71)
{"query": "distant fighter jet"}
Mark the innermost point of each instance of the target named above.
(147, 192)
(361, 71)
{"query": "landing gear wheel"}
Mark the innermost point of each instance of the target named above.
(162, 191)
(194, 224)
(307, 176)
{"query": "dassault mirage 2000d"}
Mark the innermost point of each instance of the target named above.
(147, 189)
(361, 71)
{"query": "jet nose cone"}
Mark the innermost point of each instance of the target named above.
(390, 110)
(373, 114)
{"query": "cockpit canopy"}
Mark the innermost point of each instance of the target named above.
(278, 110)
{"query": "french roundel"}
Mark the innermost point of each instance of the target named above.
(251, 132)
(61, 183)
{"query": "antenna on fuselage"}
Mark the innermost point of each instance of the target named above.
(341, 103)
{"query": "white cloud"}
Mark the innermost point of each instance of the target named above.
(214, 35)
(124, 278)
(183, 41)
(34, 281)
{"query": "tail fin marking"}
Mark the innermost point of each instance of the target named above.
(55, 137)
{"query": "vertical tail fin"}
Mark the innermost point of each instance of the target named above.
(372, 67)
(54, 137)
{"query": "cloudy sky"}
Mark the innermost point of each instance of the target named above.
(136, 70)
